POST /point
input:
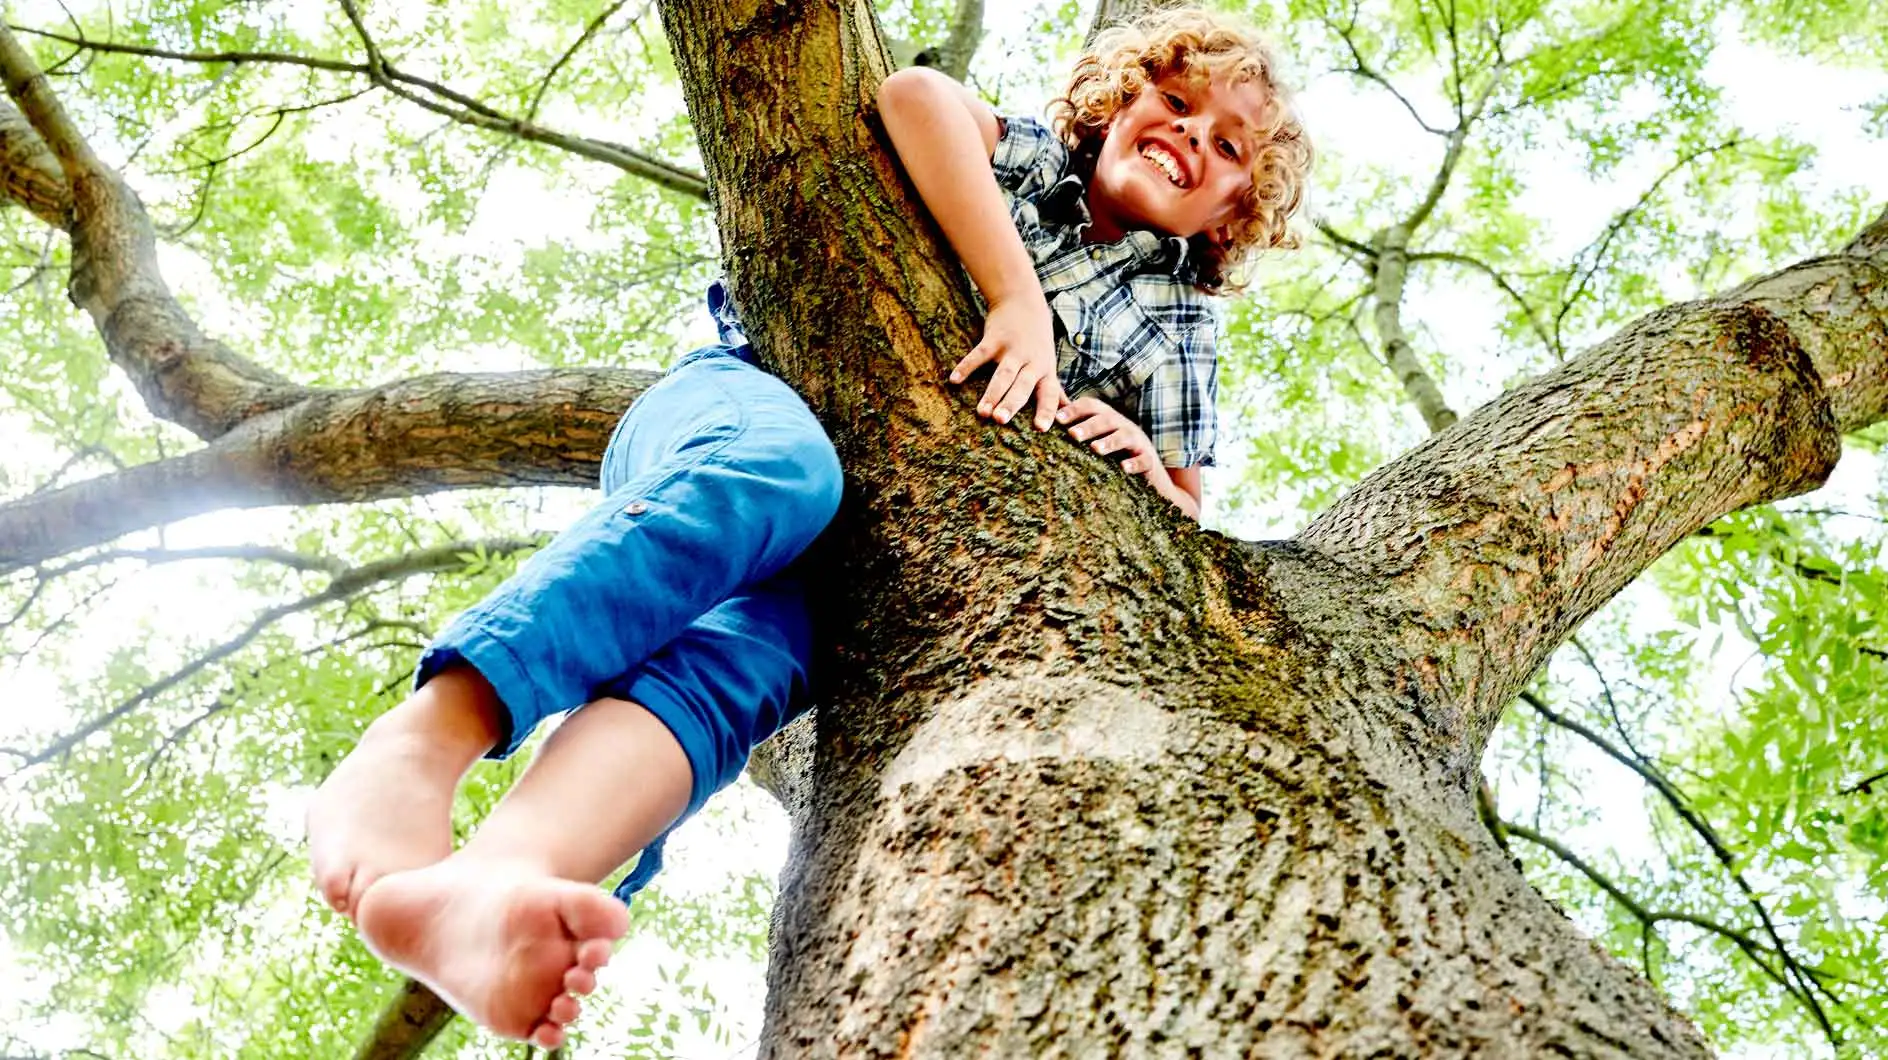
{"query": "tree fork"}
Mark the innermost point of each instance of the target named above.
(1089, 780)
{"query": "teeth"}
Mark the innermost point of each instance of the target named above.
(1160, 157)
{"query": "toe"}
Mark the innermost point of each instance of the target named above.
(593, 954)
(547, 1036)
(334, 888)
(580, 981)
(564, 1010)
(590, 914)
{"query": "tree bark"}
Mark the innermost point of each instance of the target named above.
(1089, 781)
(1085, 778)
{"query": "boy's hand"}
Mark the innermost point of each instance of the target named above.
(1019, 335)
(1106, 431)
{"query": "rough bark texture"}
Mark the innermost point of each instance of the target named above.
(1088, 781)
(29, 174)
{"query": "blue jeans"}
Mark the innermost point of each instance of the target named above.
(671, 593)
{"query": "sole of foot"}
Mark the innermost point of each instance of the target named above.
(509, 949)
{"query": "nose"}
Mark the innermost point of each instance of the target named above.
(1180, 126)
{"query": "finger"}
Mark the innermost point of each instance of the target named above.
(979, 355)
(999, 385)
(1104, 421)
(1111, 441)
(1142, 461)
(1092, 427)
(1048, 399)
(1018, 394)
(1078, 410)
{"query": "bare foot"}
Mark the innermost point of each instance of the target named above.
(505, 946)
(388, 806)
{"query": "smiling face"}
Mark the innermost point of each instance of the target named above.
(1177, 159)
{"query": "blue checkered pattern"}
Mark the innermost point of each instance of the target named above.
(1132, 327)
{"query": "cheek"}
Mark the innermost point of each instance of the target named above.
(1229, 190)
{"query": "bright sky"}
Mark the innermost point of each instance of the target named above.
(748, 832)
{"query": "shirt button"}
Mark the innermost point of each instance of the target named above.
(1080, 338)
(636, 508)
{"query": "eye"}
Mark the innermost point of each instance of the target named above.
(1174, 102)
(1226, 147)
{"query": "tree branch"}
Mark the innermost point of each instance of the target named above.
(1688, 413)
(1389, 257)
(1549, 342)
(272, 441)
(1866, 785)
(1606, 694)
(590, 30)
(1364, 70)
(1389, 277)
(960, 45)
(1361, 251)
(1651, 918)
(412, 436)
(182, 375)
(407, 1023)
(29, 174)
(1682, 806)
(345, 585)
(1604, 241)
(461, 108)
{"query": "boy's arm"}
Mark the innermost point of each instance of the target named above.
(1188, 479)
(944, 135)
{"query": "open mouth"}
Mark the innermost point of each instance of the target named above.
(1166, 162)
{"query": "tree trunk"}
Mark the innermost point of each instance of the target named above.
(1085, 779)
(1091, 781)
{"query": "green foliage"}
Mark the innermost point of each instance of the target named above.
(152, 878)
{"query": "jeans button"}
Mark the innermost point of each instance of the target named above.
(636, 508)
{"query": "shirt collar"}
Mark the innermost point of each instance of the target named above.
(1066, 204)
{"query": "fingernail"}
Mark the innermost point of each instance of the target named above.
(983, 410)
(957, 377)
(1062, 417)
(1002, 415)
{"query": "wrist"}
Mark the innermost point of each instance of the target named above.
(1164, 485)
(1025, 298)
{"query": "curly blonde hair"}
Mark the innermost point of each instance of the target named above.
(1197, 46)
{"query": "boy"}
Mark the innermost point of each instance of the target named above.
(680, 636)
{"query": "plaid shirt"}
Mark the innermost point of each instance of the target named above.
(1131, 327)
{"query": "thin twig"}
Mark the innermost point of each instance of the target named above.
(589, 31)
(464, 109)
(342, 587)
(1866, 785)
(1650, 918)
(1682, 806)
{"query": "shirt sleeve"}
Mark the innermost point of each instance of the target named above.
(1178, 401)
(1028, 158)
